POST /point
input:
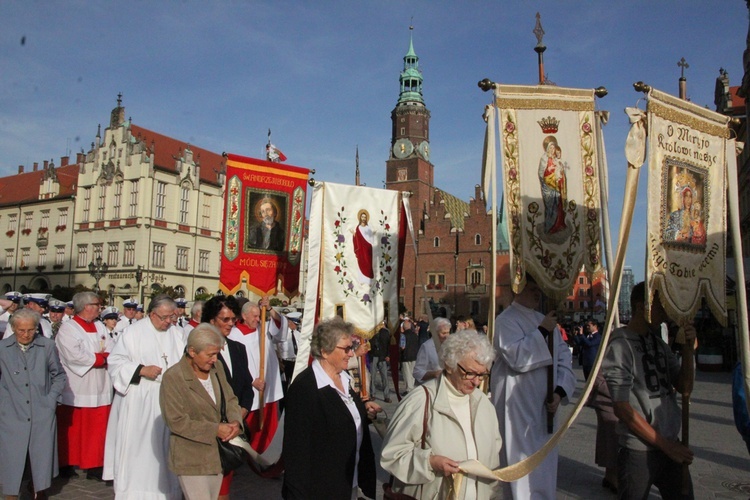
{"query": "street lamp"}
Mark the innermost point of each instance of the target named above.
(138, 279)
(98, 270)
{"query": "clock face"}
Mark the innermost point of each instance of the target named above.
(424, 150)
(403, 148)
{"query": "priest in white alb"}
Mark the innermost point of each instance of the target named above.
(247, 333)
(137, 438)
(519, 389)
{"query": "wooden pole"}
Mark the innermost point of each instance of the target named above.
(551, 381)
(262, 353)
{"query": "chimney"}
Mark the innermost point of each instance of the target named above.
(46, 163)
(80, 157)
(64, 161)
(20, 169)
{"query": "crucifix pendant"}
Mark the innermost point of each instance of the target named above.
(164, 357)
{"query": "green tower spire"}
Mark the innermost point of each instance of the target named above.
(411, 76)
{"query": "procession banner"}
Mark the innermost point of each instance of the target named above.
(551, 185)
(355, 236)
(686, 207)
(264, 216)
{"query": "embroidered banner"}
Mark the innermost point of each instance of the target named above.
(551, 185)
(264, 216)
(356, 237)
(686, 206)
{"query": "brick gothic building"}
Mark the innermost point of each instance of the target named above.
(453, 237)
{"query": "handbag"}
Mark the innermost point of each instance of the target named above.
(231, 456)
(388, 492)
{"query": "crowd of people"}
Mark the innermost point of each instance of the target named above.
(142, 401)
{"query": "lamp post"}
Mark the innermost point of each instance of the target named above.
(98, 270)
(138, 279)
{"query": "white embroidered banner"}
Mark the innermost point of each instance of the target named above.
(551, 184)
(686, 206)
(356, 244)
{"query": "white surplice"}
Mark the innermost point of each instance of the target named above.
(519, 390)
(274, 334)
(137, 445)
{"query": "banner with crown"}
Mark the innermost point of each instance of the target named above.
(686, 206)
(264, 216)
(551, 185)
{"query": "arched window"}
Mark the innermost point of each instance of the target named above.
(477, 239)
(436, 242)
(239, 293)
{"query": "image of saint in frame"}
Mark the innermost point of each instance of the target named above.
(685, 221)
(266, 221)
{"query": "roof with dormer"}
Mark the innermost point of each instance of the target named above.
(167, 150)
(23, 188)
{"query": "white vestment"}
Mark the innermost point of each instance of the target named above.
(272, 375)
(427, 360)
(519, 391)
(123, 323)
(87, 387)
(137, 445)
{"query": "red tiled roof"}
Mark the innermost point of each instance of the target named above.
(737, 101)
(24, 188)
(166, 148)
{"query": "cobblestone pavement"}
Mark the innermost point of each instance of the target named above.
(721, 469)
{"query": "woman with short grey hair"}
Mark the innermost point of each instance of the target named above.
(327, 449)
(461, 425)
(194, 422)
(428, 366)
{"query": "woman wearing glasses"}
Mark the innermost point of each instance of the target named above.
(222, 312)
(327, 449)
(461, 425)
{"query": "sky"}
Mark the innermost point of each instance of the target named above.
(323, 75)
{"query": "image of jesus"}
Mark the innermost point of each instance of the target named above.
(363, 242)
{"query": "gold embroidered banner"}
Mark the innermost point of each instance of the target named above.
(686, 206)
(551, 184)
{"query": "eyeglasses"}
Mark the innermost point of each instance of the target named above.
(168, 317)
(227, 319)
(346, 349)
(467, 375)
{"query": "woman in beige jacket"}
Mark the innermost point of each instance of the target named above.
(190, 400)
(461, 425)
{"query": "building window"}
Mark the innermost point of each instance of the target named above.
(477, 239)
(25, 253)
(10, 258)
(117, 201)
(436, 242)
(180, 291)
(161, 199)
(157, 258)
(476, 277)
(102, 202)
(60, 255)
(12, 222)
(581, 292)
(113, 249)
(83, 251)
(28, 219)
(86, 204)
(45, 219)
(206, 216)
(62, 218)
(203, 256)
(581, 280)
(182, 258)
(97, 251)
(133, 199)
(184, 204)
(403, 283)
(42, 260)
(436, 280)
(129, 257)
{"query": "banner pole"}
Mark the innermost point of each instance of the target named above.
(262, 369)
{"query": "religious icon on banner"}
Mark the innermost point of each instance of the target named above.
(363, 238)
(266, 220)
(685, 219)
(553, 182)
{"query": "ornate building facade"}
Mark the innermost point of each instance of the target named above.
(139, 204)
(449, 265)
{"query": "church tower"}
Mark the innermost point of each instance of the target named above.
(408, 167)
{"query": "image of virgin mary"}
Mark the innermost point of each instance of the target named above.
(554, 185)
